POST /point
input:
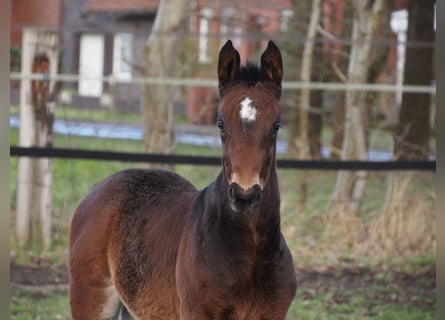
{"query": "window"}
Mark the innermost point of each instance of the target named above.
(286, 17)
(226, 24)
(91, 64)
(122, 55)
(204, 30)
(229, 28)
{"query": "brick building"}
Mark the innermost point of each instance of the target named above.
(36, 14)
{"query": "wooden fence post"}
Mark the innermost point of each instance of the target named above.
(34, 200)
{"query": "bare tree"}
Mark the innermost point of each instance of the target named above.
(293, 67)
(334, 28)
(350, 185)
(305, 76)
(161, 53)
(338, 57)
(413, 131)
(412, 135)
(305, 121)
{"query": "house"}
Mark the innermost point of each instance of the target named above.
(30, 13)
(107, 37)
(99, 38)
(102, 38)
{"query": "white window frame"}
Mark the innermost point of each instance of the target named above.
(229, 29)
(91, 64)
(286, 17)
(204, 31)
(122, 55)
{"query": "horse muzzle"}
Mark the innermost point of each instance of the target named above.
(241, 200)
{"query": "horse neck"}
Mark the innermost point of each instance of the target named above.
(263, 222)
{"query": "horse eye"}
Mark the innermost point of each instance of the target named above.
(276, 127)
(220, 124)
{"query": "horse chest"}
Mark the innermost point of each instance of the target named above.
(239, 274)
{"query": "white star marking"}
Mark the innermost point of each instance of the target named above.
(247, 111)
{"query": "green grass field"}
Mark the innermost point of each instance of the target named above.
(319, 239)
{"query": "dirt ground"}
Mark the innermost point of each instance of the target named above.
(376, 287)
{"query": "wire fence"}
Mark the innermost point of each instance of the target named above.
(78, 23)
(212, 83)
(66, 153)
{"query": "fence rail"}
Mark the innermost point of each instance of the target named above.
(64, 153)
(212, 83)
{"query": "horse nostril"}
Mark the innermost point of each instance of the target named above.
(237, 194)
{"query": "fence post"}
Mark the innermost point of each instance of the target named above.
(34, 200)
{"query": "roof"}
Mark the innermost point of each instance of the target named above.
(122, 6)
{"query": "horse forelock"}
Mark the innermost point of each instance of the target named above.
(250, 74)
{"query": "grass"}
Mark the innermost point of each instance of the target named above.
(26, 305)
(309, 237)
(325, 308)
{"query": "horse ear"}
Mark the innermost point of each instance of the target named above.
(272, 65)
(228, 65)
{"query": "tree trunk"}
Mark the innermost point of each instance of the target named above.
(338, 125)
(294, 63)
(34, 197)
(376, 68)
(161, 53)
(306, 67)
(334, 53)
(349, 187)
(316, 111)
(413, 131)
(305, 77)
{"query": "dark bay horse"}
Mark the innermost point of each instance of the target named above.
(149, 240)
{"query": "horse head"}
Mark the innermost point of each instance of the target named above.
(249, 120)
